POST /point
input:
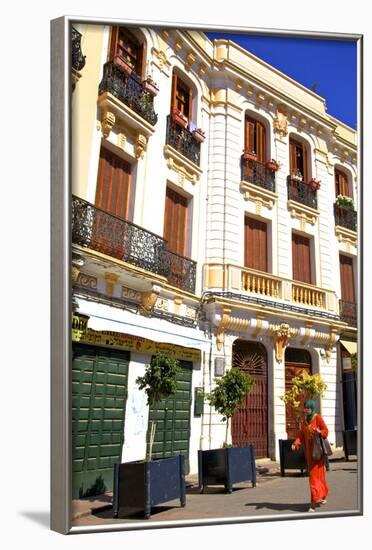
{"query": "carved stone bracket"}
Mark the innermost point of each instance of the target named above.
(149, 298)
(110, 280)
(225, 319)
(281, 122)
(281, 336)
(107, 123)
(190, 60)
(140, 146)
(333, 337)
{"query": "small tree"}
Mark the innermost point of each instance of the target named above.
(304, 386)
(159, 382)
(228, 394)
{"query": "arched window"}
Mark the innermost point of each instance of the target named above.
(341, 184)
(126, 49)
(255, 138)
(181, 99)
(298, 158)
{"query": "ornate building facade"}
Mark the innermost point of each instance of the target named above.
(213, 218)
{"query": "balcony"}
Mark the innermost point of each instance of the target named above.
(257, 173)
(183, 141)
(98, 230)
(345, 217)
(128, 89)
(249, 285)
(301, 192)
(348, 312)
(78, 59)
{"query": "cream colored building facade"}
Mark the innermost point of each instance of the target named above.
(230, 301)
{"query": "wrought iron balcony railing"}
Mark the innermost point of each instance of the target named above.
(301, 192)
(348, 312)
(346, 217)
(78, 59)
(128, 88)
(258, 173)
(183, 141)
(98, 230)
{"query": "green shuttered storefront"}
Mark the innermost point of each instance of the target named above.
(99, 392)
(173, 419)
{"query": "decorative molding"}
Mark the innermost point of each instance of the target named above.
(303, 213)
(225, 319)
(190, 313)
(333, 337)
(75, 272)
(178, 301)
(306, 338)
(261, 197)
(130, 294)
(178, 44)
(161, 60)
(281, 336)
(202, 70)
(110, 280)
(149, 299)
(259, 324)
(107, 123)
(347, 236)
(281, 121)
(87, 281)
(190, 60)
(140, 146)
(162, 304)
(260, 98)
(184, 167)
(238, 85)
(122, 139)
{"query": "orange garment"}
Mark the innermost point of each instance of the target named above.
(316, 468)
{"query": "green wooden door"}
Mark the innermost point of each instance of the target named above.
(99, 392)
(173, 419)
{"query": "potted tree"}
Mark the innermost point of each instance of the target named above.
(304, 386)
(273, 165)
(228, 465)
(145, 483)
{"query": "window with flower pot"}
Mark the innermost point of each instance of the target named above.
(255, 244)
(341, 184)
(301, 258)
(181, 101)
(255, 140)
(126, 50)
(298, 162)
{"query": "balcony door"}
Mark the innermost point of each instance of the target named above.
(301, 258)
(181, 97)
(347, 279)
(255, 244)
(125, 48)
(255, 138)
(112, 198)
(298, 158)
(175, 233)
(341, 184)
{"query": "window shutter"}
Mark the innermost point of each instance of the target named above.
(301, 263)
(304, 163)
(341, 184)
(292, 156)
(250, 134)
(175, 222)
(174, 91)
(261, 142)
(113, 184)
(347, 279)
(113, 41)
(255, 244)
(140, 61)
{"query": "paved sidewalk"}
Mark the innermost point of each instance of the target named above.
(273, 495)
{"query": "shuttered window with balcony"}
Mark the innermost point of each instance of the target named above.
(255, 138)
(255, 244)
(113, 184)
(298, 158)
(181, 97)
(125, 46)
(301, 258)
(175, 222)
(347, 279)
(341, 184)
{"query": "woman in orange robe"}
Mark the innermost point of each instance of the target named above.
(316, 468)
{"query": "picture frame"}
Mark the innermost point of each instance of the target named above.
(61, 450)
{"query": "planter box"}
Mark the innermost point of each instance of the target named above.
(122, 64)
(142, 485)
(226, 467)
(151, 88)
(249, 156)
(272, 166)
(293, 460)
(179, 119)
(198, 136)
(350, 442)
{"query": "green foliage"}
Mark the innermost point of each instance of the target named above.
(304, 386)
(354, 361)
(229, 392)
(159, 380)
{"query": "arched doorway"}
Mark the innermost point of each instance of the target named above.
(296, 360)
(250, 424)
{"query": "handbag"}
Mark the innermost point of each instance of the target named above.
(326, 446)
(320, 447)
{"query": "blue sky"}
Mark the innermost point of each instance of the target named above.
(330, 64)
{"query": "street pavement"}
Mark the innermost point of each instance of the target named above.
(272, 496)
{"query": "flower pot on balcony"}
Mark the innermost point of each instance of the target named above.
(150, 87)
(314, 184)
(179, 118)
(296, 176)
(199, 135)
(272, 165)
(119, 61)
(249, 155)
(345, 202)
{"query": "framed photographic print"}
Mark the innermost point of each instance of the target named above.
(206, 363)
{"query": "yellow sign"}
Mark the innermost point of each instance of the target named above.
(117, 340)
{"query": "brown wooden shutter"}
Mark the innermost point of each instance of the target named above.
(113, 41)
(261, 142)
(174, 92)
(113, 184)
(250, 134)
(189, 114)
(255, 244)
(175, 222)
(341, 184)
(139, 64)
(292, 156)
(304, 163)
(301, 261)
(347, 279)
